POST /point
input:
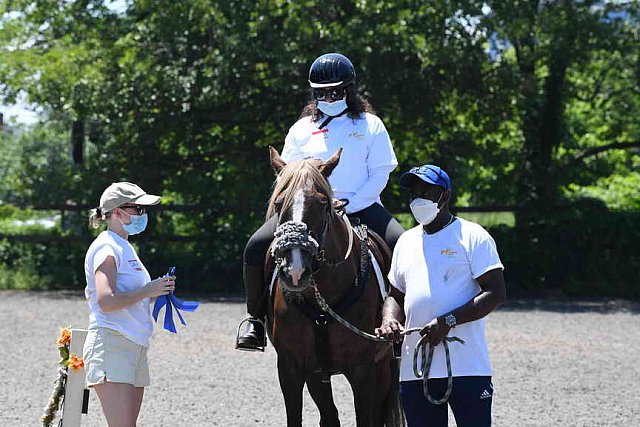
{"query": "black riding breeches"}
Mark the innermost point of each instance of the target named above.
(258, 244)
(380, 220)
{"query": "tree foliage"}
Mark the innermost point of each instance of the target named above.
(513, 98)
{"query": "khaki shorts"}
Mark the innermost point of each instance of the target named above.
(109, 356)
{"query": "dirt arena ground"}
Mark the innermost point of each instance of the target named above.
(556, 363)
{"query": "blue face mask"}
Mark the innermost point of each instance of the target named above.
(332, 108)
(137, 225)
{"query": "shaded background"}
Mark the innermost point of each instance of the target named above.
(531, 106)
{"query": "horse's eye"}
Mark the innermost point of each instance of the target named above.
(278, 203)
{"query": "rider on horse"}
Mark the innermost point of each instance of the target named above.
(336, 117)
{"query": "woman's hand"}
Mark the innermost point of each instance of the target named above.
(390, 329)
(160, 286)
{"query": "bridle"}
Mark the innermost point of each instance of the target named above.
(297, 235)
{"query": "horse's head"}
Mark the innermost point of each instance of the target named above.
(302, 199)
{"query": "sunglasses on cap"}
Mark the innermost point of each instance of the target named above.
(141, 210)
(336, 94)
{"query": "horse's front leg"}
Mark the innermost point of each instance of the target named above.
(370, 385)
(323, 396)
(291, 379)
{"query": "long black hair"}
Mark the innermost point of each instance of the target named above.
(356, 105)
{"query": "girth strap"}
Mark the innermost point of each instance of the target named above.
(365, 263)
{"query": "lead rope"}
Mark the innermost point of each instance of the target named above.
(426, 366)
(326, 308)
(420, 348)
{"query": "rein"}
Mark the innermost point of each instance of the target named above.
(420, 349)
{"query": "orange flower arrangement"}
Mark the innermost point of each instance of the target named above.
(64, 338)
(75, 362)
(66, 361)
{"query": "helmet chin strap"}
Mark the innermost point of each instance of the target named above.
(328, 119)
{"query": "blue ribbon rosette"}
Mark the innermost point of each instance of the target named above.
(170, 302)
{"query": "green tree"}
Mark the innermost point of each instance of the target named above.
(560, 48)
(525, 103)
(35, 167)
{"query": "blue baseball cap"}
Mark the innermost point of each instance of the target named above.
(430, 174)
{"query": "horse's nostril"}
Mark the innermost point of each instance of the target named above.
(296, 274)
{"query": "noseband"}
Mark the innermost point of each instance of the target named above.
(293, 235)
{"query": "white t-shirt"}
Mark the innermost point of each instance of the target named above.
(365, 164)
(134, 321)
(436, 273)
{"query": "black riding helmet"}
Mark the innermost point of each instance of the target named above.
(331, 69)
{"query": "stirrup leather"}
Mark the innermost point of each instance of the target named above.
(264, 328)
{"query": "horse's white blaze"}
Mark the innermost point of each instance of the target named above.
(298, 206)
(296, 268)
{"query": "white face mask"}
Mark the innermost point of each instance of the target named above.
(424, 210)
(332, 108)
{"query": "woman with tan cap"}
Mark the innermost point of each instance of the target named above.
(119, 291)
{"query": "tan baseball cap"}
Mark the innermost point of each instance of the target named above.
(121, 193)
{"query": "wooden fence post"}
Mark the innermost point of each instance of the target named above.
(76, 380)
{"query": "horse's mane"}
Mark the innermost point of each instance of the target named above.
(296, 175)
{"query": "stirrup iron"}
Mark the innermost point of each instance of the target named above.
(264, 328)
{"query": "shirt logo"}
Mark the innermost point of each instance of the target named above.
(357, 135)
(133, 263)
(448, 252)
(485, 394)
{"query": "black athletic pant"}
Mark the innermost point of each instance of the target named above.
(376, 217)
(470, 402)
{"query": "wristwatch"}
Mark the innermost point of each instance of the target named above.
(450, 320)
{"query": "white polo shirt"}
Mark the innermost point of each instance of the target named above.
(365, 164)
(437, 273)
(134, 321)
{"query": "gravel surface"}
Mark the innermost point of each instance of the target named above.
(556, 363)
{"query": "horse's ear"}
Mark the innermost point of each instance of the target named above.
(327, 167)
(276, 161)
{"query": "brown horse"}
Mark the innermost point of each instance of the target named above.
(314, 246)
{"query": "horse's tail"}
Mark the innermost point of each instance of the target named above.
(394, 415)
